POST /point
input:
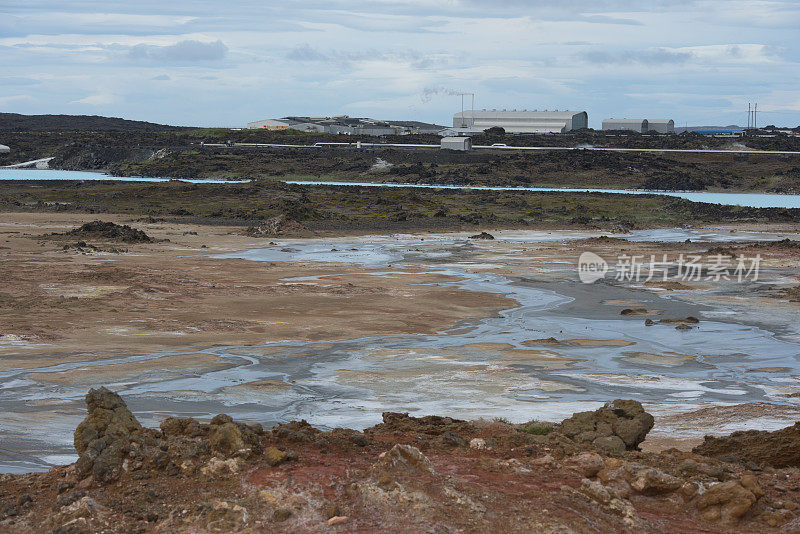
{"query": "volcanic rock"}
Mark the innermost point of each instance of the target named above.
(728, 501)
(112, 231)
(625, 419)
(280, 224)
(230, 438)
(100, 439)
(482, 235)
(405, 458)
(780, 448)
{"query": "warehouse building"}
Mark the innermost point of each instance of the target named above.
(631, 125)
(663, 126)
(269, 124)
(524, 121)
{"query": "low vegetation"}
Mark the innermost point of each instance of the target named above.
(371, 208)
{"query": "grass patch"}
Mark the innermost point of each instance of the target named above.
(536, 428)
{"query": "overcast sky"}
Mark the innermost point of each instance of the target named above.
(225, 63)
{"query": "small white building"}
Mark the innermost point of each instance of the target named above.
(462, 144)
(513, 121)
(4, 149)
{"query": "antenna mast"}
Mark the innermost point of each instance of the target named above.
(463, 121)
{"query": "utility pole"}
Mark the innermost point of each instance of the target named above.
(463, 121)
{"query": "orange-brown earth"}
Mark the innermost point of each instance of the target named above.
(111, 296)
(430, 474)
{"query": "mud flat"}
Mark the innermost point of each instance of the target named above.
(336, 329)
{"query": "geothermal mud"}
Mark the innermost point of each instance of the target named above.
(557, 347)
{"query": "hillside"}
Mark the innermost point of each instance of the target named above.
(39, 123)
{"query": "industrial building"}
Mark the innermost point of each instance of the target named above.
(4, 149)
(462, 144)
(663, 126)
(631, 125)
(343, 124)
(513, 121)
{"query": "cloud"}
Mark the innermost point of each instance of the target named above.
(304, 52)
(656, 56)
(100, 99)
(182, 51)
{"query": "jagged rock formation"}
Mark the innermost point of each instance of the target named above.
(102, 438)
(618, 426)
(405, 474)
(110, 230)
(776, 449)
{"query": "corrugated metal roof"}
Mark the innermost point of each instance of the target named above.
(626, 121)
(516, 114)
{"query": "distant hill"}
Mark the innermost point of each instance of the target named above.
(39, 123)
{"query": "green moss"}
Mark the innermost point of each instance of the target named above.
(537, 428)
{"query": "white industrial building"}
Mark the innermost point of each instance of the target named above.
(269, 124)
(631, 125)
(640, 125)
(462, 144)
(524, 121)
(663, 126)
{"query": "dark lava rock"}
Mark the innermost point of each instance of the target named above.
(110, 230)
(625, 419)
(780, 448)
(230, 438)
(281, 224)
(102, 437)
(482, 235)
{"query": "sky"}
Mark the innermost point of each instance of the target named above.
(224, 63)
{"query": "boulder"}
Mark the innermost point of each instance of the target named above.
(726, 502)
(405, 458)
(482, 235)
(229, 438)
(102, 438)
(623, 419)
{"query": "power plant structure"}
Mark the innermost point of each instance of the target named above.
(519, 122)
(663, 126)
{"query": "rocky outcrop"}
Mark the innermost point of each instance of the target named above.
(482, 235)
(406, 474)
(776, 449)
(278, 225)
(618, 426)
(110, 231)
(102, 437)
(728, 501)
(230, 438)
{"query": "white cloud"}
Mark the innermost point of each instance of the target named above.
(100, 99)
(334, 56)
